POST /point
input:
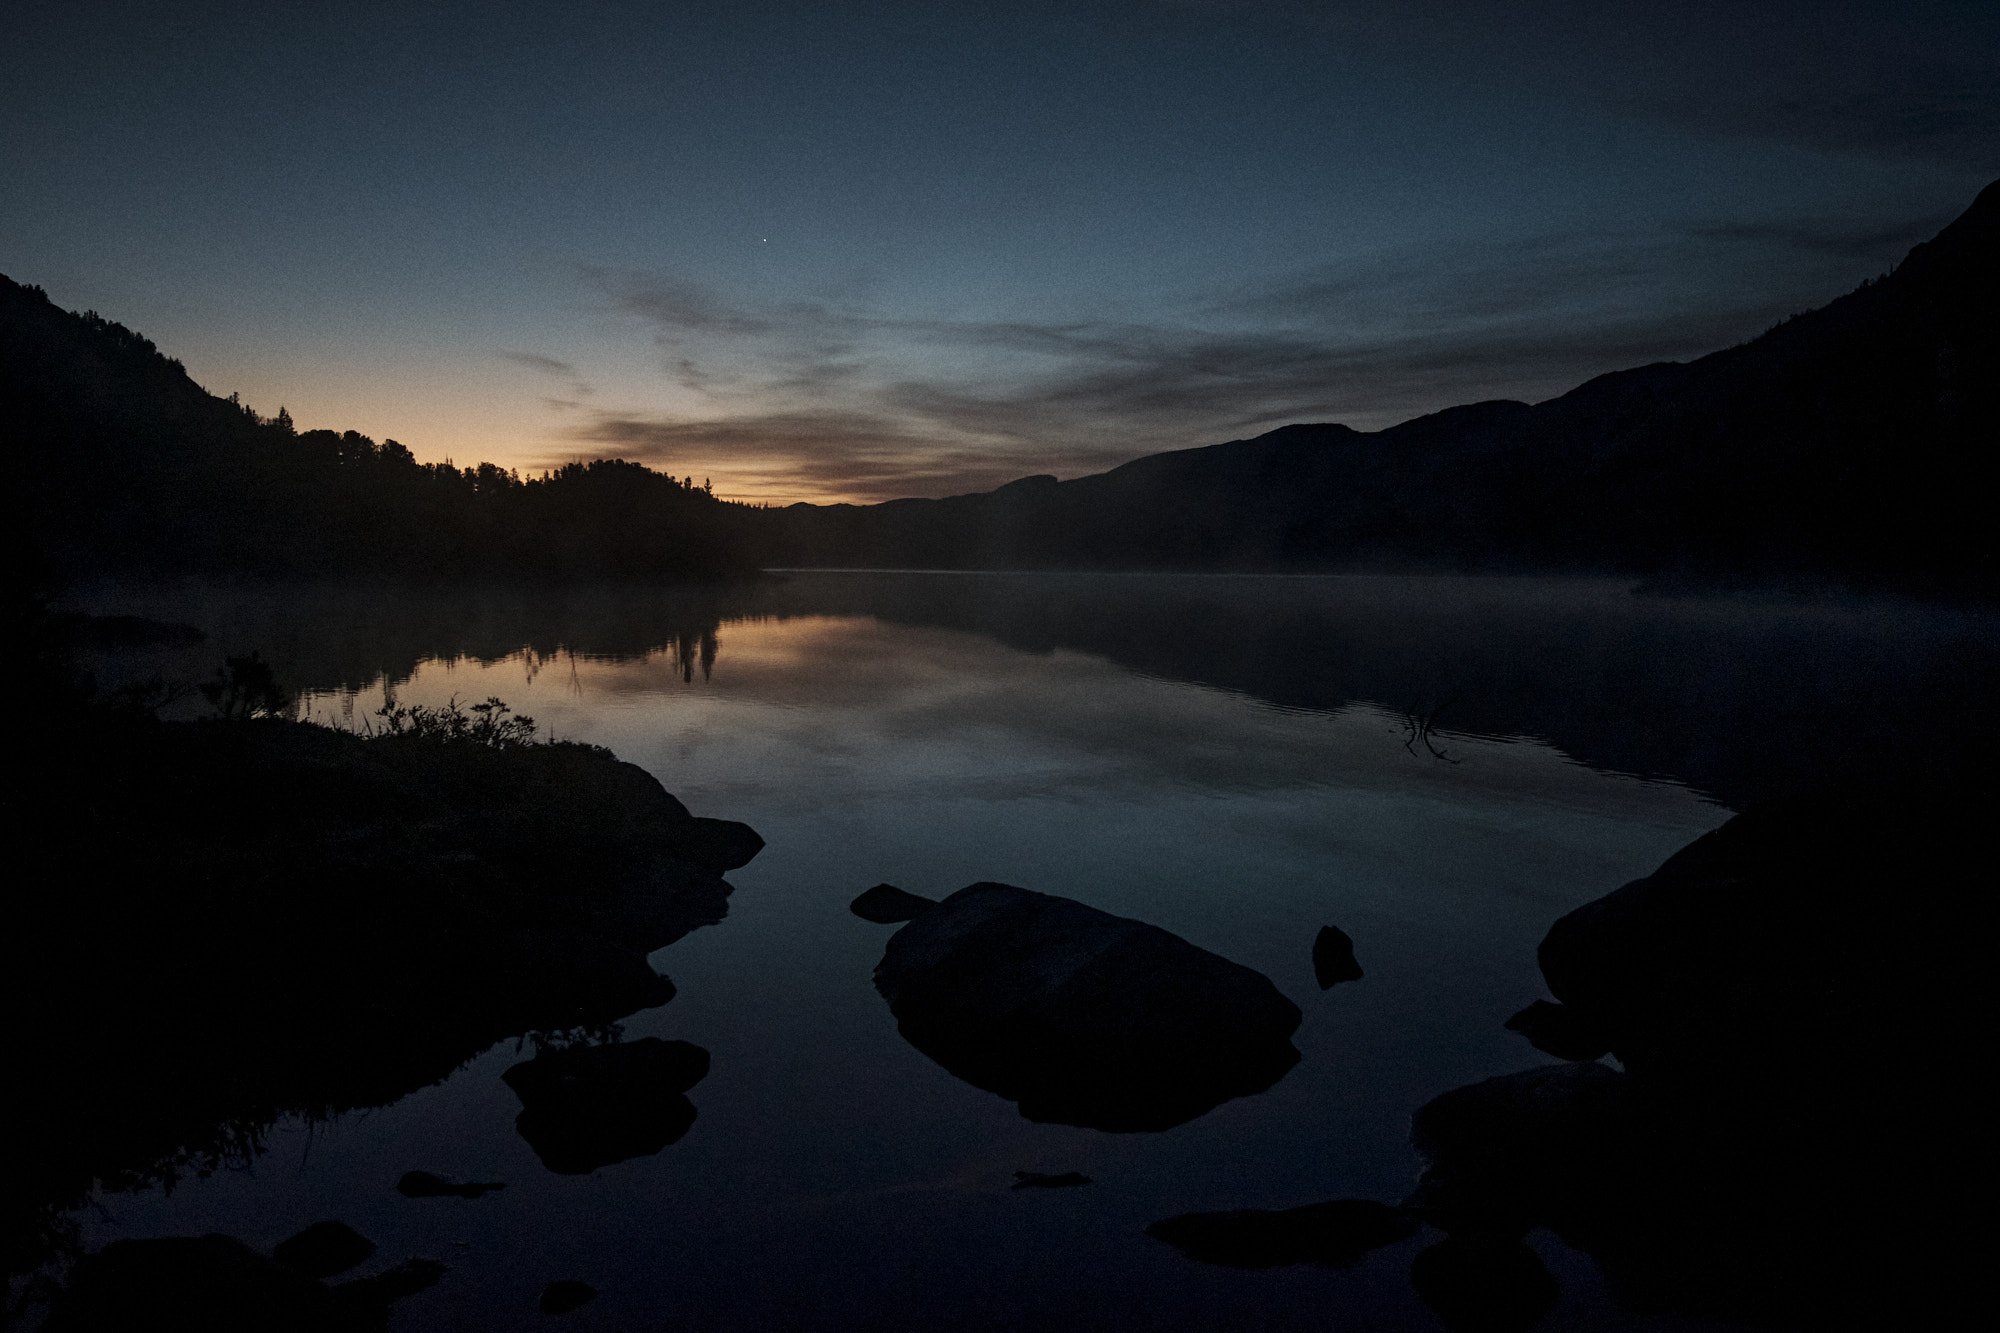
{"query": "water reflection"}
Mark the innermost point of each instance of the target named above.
(1226, 759)
(1740, 698)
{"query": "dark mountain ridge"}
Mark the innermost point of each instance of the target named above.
(1847, 444)
(127, 465)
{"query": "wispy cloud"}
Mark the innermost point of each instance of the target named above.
(548, 365)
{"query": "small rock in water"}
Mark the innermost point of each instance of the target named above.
(429, 1185)
(564, 1295)
(1042, 1180)
(885, 905)
(1556, 1030)
(590, 1106)
(1338, 1234)
(323, 1249)
(1333, 958)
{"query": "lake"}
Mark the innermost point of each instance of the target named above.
(1439, 766)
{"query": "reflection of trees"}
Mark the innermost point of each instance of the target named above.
(338, 641)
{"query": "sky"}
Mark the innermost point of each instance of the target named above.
(857, 251)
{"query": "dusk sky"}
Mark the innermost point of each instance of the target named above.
(858, 251)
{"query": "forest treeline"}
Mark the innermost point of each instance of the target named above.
(128, 466)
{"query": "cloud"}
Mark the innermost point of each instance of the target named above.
(548, 365)
(782, 456)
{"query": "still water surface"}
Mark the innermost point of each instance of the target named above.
(1239, 761)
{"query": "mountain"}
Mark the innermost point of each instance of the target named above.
(125, 465)
(1848, 444)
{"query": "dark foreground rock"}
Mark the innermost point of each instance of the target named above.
(885, 904)
(430, 1185)
(220, 1285)
(1045, 1180)
(1338, 1234)
(364, 914)
(324, 1249)
(1333, 958)
(590, 1106)
(1081, 1017)
(1796, 1120)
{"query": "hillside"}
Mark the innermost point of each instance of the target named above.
(1846, 444)
(126, 465)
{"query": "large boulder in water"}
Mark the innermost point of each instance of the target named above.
(1081, 1017)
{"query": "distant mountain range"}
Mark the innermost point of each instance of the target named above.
(1849, 445)
(1852, 444)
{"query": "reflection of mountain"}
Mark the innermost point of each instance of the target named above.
(1739, 699)
(1845, 443)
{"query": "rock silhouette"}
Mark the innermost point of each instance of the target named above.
(1081, 1017)
(591, 1106)
(1041, 1180)
(1338, 1234)
(1333, 958)
(885, 904)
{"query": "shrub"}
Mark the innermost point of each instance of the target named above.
(491, 724)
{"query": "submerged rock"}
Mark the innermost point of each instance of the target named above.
(566, 1294)
(1338, 1234)
(885, 904)
(590, 1106)
(1081, 1017)
(324, 1249)
(1333, 958)
(429, 1185)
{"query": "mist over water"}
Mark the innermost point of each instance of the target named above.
(1440, 767)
